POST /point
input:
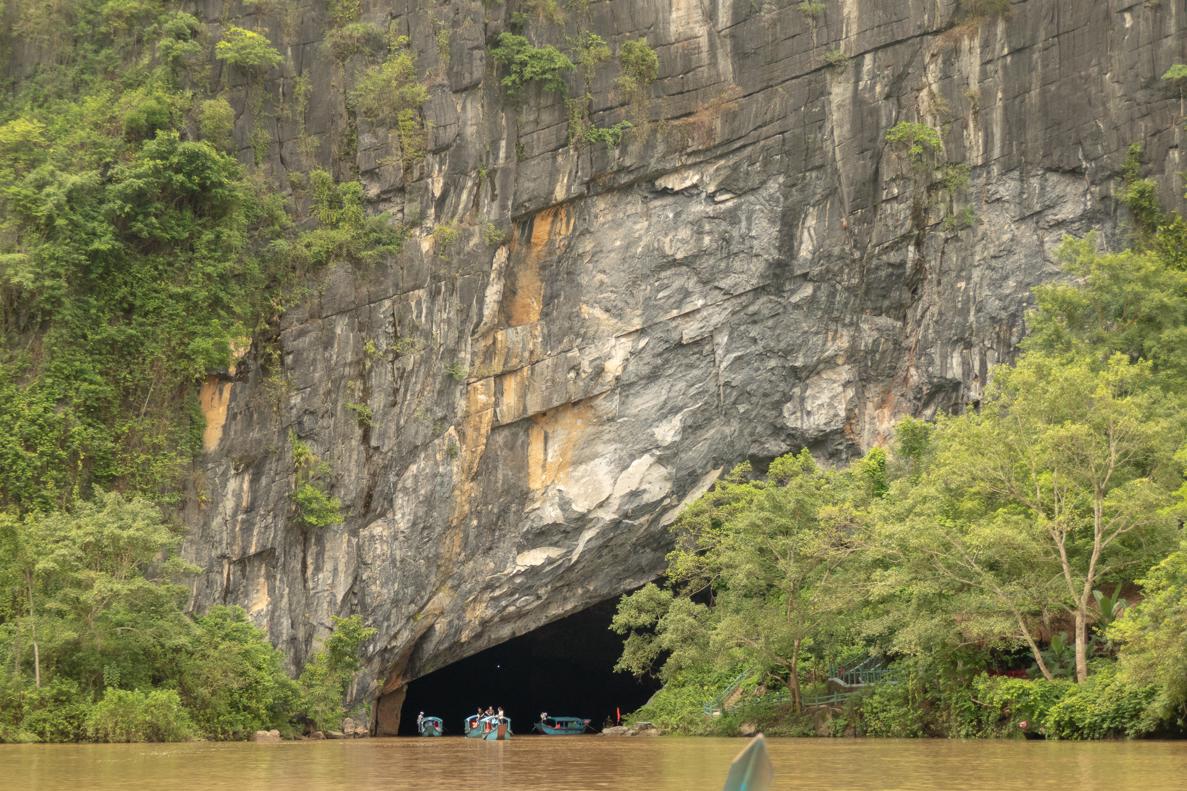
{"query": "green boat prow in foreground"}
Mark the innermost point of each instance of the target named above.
(751, 770)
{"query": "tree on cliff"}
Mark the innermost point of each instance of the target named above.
(1056, 485)
(766, 555)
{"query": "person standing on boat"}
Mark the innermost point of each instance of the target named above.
(500, 712)
(543, 716)
(490, 712)
(420, 722)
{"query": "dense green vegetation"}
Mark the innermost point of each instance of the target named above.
(95, 643)
(984, 569)
(135, 253)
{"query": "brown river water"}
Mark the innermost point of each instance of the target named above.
(589, 763)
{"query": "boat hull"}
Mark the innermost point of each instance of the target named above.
(548, 730)
(490, 729)
(499, 733)
(562, 726)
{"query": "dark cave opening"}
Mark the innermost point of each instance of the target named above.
(564, 668)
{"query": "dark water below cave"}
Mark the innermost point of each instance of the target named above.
(593, 762)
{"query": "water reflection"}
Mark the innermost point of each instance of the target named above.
(590, 763)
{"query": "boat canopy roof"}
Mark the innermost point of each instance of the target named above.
(575, 720)
(431, 719)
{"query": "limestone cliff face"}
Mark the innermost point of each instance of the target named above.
(751, 271)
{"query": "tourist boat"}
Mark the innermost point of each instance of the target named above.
(491, 729)
(432, 726)
(561, 726)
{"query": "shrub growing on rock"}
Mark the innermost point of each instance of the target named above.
(247, 50)
(525, 63)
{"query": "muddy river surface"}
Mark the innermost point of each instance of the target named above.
(593, 762)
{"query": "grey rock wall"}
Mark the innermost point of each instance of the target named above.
(751, 271)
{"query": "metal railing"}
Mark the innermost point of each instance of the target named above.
(717, 705)
(846, 682)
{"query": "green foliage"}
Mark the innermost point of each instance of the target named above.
(131, 260)
(607, 135)
(769, 551)
(232, 681)
(345, 232)
(457, 371)
(1140, 195)
(959, 220)
(892, 710)
(55, 712)
(589, 50)
(123, 715)
(216, 122)
(1132, 303)
(526, 64)
(344, 12)
(315, 507)
(445, 236)
(327, 676)
(247, 49)
(1153, 636)
(811, 8)
(640, 67)
(1104, 706)
(493, 235)
(582, 130)
(390, 94)
(836, 58)
(954, 177)
(919, 143)
(362, 413)
(678, 705)
(98, 591)
(1004, 702)
(355, 38)
(147, 113)
(1176, 74)
(136, 282)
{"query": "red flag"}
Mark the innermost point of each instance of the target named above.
(618, 715)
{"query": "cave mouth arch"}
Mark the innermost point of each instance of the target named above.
(565, 668)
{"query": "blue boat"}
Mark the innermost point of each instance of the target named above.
(492, 729)
(431, 726)
(561, 726)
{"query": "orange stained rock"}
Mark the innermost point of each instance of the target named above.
(552, 438)
(214, 398)
(526, 288)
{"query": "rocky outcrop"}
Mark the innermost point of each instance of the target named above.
(752, 270)
(638, 729)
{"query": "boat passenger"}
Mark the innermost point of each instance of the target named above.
(500, 712)
(420, 721)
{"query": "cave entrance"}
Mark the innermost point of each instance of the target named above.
(564, 668)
